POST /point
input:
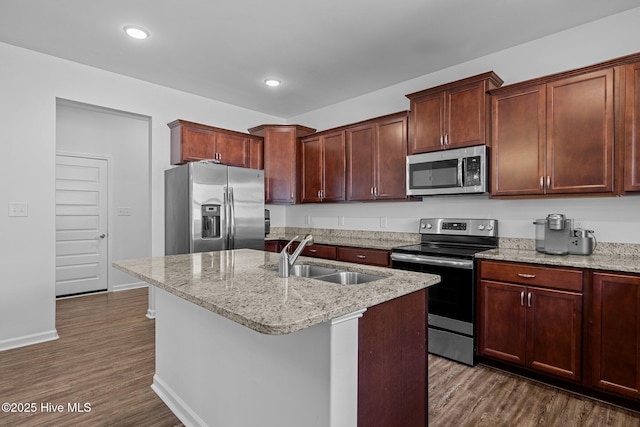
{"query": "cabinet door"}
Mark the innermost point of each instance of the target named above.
(196, 144)
(632, 127)
(518, 142)
(233, 150)
(580, 133)
(333, 167)
(311, 169)
(391, 155)
(615, 334)
(360, 162)
(280, 165)
(427, 124)
(256, 153)
(502, 329)
(465, 116)
(554, 332)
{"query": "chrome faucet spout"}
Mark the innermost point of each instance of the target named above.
(286, 261)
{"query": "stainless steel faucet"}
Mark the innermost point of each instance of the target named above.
(286, 261)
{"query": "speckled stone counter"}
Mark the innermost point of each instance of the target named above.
(623, 262)
(242, 286)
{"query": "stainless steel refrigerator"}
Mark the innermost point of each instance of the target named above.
(213, 207)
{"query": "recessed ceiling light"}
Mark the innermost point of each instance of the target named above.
(272, 82)
(136, 32)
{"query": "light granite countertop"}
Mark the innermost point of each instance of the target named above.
(242, 286)
(626, 262)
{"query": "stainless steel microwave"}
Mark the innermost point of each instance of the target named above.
(457, 171)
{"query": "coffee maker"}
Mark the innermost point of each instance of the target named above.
(555, 235)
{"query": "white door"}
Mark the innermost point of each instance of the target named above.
(81, 225)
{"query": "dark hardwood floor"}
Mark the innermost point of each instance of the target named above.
(105, 357)
(462, 396)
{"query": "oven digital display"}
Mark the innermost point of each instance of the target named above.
(462, 226)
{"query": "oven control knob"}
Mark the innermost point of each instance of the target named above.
(480, 227)
(429, 226)
(489, 227)
(423, 225)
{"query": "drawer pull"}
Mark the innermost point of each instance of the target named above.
(527, 276)
(362, 256)
(313, 251)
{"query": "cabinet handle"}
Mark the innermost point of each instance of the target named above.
(529, 299)
(522, 298)
(292, 195)
(441, 139)
(361, 256)
(548, 182)
(322, 194)
(318, 194)
(375, 191)
(446, 139)
(542, 183)
(313, 251)
(371, 191)
(527, 276)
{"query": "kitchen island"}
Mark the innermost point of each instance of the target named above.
(238, 346)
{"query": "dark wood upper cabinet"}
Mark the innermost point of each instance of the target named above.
(453, 115)
(376, 158)
(580, 134)
(194, 141)
(282, 161)
(632, 128)
(519, 142)
(554, 137)
(323, 167)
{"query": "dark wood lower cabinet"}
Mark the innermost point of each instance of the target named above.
(614, 325)
(537, 324)
(392, 363)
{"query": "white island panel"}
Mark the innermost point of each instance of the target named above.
(213, 371)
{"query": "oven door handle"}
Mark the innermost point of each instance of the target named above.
(432, 260)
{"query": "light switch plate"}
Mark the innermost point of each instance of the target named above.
(18, 209)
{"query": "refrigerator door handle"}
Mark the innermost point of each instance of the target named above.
(232, 219)
(227, 220)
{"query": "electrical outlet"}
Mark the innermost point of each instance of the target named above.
(124, 211)
(383, 222)
(18, 209)
(307, 219)
(341, 221)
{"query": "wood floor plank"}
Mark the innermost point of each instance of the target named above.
(106, 357)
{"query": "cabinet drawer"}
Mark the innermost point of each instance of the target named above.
(364, 256)
(320, 251)
(527, 274)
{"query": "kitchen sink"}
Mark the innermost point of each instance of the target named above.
(349, 278)
(331, 275)
(306, 270)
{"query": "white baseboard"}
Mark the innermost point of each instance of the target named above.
(26, 340)
(127, 286)
(151, 314)
(177, 405)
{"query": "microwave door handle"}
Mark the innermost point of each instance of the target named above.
(460, 174)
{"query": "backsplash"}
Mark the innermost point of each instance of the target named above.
(399, 238)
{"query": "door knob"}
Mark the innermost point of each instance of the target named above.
(102, 236)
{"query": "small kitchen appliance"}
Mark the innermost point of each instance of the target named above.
(555, 235)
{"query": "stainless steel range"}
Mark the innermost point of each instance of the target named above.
(447, 248)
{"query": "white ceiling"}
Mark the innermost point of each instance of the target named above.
(324, 51)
